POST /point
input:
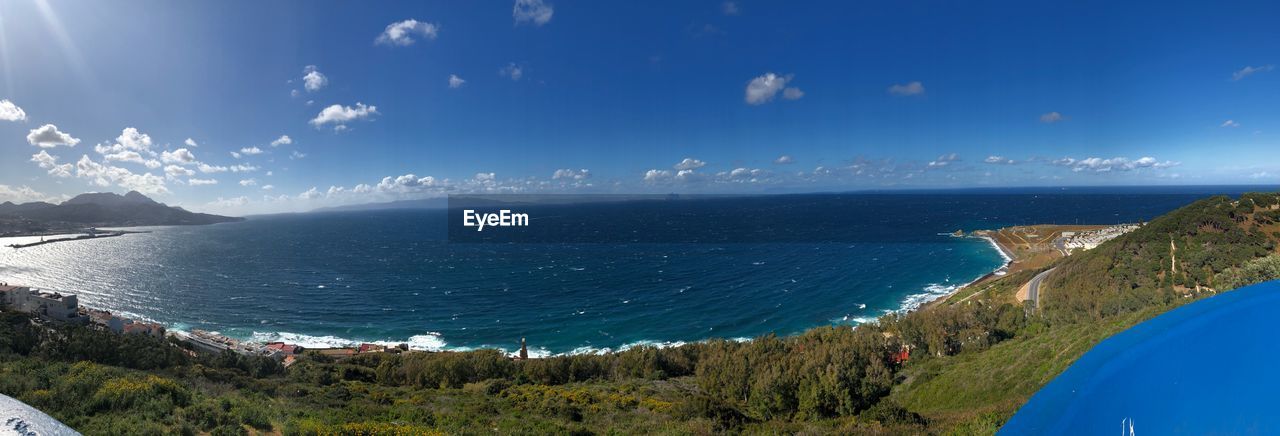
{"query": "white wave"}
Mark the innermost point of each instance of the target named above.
(624, 347)
(931, 292)
(430, 341)
(996, 246)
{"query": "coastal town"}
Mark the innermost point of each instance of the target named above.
(1034, 248)
(58, 307)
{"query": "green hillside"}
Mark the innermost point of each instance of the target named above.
(972, 363)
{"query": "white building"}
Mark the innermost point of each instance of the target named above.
(49, 305)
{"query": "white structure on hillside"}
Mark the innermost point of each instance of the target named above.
(1090, 239)
(48, 305)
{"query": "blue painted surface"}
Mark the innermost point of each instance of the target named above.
(1205, 368)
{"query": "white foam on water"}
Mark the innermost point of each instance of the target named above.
(931, 292)
(430, 341)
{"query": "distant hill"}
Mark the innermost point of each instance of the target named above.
(101, 209)
(484, 201)
(9, 207)
(426, 203)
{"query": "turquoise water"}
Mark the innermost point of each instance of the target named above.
(1204, 368)
(333, 278)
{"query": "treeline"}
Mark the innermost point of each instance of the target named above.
(824, 373)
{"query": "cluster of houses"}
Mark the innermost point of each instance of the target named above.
(56, 306)
(1090, 239)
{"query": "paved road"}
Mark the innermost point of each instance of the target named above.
(1033, 287)
(1060, 243)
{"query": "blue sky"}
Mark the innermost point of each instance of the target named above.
(596, 96)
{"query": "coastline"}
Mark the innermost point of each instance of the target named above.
(1000, 271)
(917, 299)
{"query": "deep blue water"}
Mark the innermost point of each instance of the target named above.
(1204, 368)
(390, 276)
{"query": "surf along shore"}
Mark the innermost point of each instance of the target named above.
(1024, 248)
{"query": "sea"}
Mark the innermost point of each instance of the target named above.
(394, 276)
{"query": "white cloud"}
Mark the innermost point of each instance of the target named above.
(105, 175)
(230, 202)
(1249, 71)
(295, 155)
(1051, 117)
(743, 175)
(44, 159)
(191, 143)
(401, 184)
(485, 177)
(783, 160)
(122, 156)
(50, 162)
(729, 8)
(62, 170)
(569, 174)
(513, 71)
(130, 146)
(282, 140)
(313, 80)
(689, 164)
(792, 93)
(251, 151)
(761, 90)
(1100, 165)
(1230, 123)
(208, 169)
(656, 175)
(48, 136)
(944, 160)
(403, 33)
(268, 187)
(11, 112)
(175, 171)
(244, 168)
(201, 182)
(21, 194)
(340, 115)
(913, 88)
(248, 182)
(131, 139)
(235, 154)
(180, 156)
(999, 160)
(537, 12)
(687, 175)
(455, 81)
(310, 194)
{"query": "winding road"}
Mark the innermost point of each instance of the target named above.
(1033, 287)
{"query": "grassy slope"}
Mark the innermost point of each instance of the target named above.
(955, 389)
(989, 386)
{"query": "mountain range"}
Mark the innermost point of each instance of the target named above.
(98, 209)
